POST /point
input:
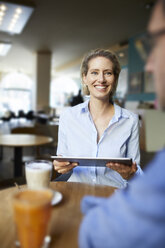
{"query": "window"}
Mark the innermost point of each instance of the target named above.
(122, 87)
(61, 90)
(15, 93)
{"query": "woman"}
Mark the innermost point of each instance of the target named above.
(98, 127)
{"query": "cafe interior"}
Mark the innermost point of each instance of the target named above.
(42, 44)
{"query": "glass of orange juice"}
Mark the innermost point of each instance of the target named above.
(32, 211)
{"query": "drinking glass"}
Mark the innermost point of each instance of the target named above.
(38, 174)
(32, 211)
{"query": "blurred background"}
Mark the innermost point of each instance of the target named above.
(42, 44)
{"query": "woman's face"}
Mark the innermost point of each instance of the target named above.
(100, 78)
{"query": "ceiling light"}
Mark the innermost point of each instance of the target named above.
(18, 10)
(3, 7)
(121, 54)
(2, 13)
(4, 48)
(15, 16)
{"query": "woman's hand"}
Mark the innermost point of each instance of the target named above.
(63, 167)
(124, 170)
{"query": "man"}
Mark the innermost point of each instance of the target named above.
(134, 217)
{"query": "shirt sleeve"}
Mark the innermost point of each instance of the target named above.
(62, 135)
(133, 217)
(133, 149)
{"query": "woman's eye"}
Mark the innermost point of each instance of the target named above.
(108, 73)
(94, 72)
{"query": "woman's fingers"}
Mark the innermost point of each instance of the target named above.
(63, 167)
(67, 168)
(118, 167)
(60, 164)
(124, 170)
(134, 167)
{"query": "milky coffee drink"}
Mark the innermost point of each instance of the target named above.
(38, 174)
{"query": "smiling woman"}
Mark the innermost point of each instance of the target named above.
(98, 127)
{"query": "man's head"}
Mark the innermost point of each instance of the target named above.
(156, 59)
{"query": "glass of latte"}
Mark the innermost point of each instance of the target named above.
(38, 174)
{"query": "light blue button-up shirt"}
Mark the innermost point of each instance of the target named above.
(78, 137)
(131, 218)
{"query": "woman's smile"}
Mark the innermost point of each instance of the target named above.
(101, 88)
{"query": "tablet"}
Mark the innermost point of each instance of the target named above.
(88, 161)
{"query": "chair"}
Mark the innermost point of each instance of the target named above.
(21, 114)
(30, 115)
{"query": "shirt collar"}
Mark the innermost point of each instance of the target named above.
(119, 113)
(84, 107)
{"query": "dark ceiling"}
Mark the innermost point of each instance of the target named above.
(70, 28)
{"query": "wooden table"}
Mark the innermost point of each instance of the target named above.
(18, 141)
(66, 216)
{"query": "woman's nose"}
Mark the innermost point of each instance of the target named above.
(101, 77)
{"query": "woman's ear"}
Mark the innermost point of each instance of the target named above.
(85, 89)
(84, 80)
